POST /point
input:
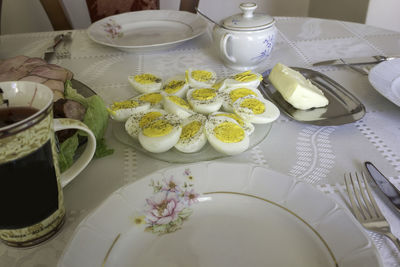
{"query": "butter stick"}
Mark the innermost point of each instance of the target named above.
(296, 89)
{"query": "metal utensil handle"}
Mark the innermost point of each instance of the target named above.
(208, 18)
(57, 40)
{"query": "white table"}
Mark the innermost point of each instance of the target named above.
(317, 155)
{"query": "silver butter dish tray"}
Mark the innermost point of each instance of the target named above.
(343, 106)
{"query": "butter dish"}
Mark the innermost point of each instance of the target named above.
(343, 106)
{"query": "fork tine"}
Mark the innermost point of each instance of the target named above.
(351, 193)
(374, 223)
(366, 199)
(371, 197)
(360, 202)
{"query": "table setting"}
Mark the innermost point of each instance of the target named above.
(291, 192)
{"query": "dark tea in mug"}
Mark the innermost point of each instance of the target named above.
(38, 198)
(31, 198)
(31, 201)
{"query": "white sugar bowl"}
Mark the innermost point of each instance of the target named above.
(245, 40)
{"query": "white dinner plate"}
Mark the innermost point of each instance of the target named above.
(219, 214)
(147, 30)
(385, 78)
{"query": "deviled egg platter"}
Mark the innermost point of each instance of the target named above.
(190, 110)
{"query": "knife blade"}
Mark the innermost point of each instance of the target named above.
(383, 183)
(355, 61)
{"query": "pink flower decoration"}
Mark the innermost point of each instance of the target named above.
(191, 197)
(163, 208)
(170, 185)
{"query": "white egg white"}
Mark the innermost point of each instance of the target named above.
(176, 105)
(247, 126)
(192, 138)
(230, 95)
(204, 100)
(121, 111)
(243, 79)
(269, 113)
(222, 134)
(159, 141)
(155, 99)
(201, 78)
(176, 85)
(145, 83)
(136, 122)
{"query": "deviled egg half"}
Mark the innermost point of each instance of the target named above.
(229, 96)
(176, 105)
(177, 86)
(145, 83)
(121, 111)
(204, 100)
(247, 126)
(243, 79)
(226, 136)
(192, 138)
(255, 110)
(155, 99)
(160, 134)
(201, 78)
(137, 121)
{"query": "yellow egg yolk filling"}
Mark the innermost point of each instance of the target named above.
(190, 130)
(152, 98)
(149, 117)
(201, 75)
(147, 78)
(229, 132)
(157, 128)
(179, 101)
(173, 86)
(124, 105)
(240, 92)
(246, 76)
(204, 94)
(255, 105)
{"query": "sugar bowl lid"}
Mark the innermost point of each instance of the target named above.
(248, 20)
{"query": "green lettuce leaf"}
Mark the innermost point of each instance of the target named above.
(96, 118)
(102, 150)
(72, 94)
(67, 152)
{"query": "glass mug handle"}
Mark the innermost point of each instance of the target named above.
(84, 159)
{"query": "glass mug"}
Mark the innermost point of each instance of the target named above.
(31, 197)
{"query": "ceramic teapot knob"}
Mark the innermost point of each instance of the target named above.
(248, 9)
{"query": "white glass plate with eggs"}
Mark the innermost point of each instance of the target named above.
(174, 156)
(147, 30)
(385, 78)
(219, 214)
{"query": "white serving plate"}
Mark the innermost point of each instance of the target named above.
(219, 214)
(173, 155)
(147, 30)
(385, 78)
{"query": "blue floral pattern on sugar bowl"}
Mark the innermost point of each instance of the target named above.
(245, 40)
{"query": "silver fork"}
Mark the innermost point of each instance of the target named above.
(365, 208)
(64, 51)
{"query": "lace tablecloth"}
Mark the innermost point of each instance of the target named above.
(316, 155)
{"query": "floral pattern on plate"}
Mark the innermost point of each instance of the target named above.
(113, 29)
(169, 206)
